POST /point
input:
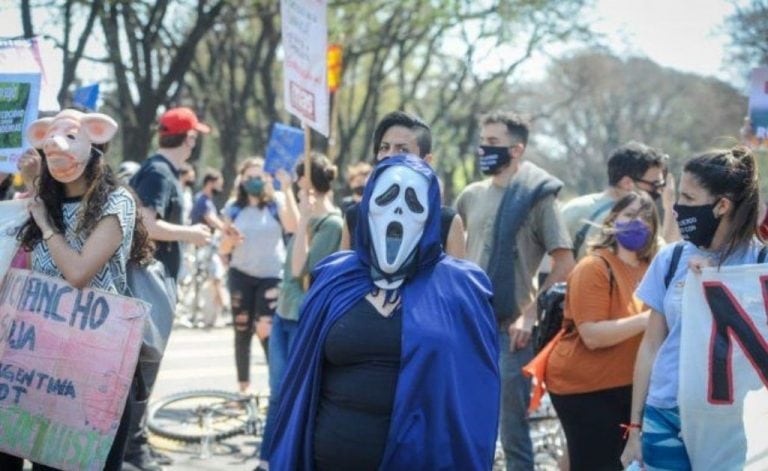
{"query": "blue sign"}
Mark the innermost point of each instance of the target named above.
(87, 97)
(285, 148)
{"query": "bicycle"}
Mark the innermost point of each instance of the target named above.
(206, 417)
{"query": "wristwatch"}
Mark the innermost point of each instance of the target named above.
(48, 233)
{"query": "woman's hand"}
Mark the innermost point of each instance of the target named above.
(669, 193)
(29, 167)
(697, 262)
(633, 450)
(285, 180)
(39, 213)
(264, 327)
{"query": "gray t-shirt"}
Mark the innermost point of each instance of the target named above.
(111, 277)
(542, 232)
(262, 252)
(578, 211)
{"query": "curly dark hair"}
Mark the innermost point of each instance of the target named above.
(101, 182)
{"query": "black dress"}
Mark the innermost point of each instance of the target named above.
(359, 376)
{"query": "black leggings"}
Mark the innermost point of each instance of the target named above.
(248, 297)
(591, 422)
(114, 458)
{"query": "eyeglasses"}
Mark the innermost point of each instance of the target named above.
(656, 185)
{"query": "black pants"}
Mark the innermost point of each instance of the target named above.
(137, 437)
(591, 422)
(248, 304)
(114, 458)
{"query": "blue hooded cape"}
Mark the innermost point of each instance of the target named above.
(446, 407)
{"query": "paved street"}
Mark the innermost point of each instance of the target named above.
(204, 359)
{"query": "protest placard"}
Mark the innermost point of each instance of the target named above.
(19, 94)
(305, 78)
(723, 393)
(285, 148)
(758, 102)
(67, 359)
(87, 97)
(29, 56)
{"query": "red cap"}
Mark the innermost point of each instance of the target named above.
(181, 120)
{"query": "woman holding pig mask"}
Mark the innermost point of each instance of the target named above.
(83, 226)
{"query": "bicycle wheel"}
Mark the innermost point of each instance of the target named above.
(191, 416)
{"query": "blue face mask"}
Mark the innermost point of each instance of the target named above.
(254, 186)
(632, 235)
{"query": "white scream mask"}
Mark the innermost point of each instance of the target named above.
(397, 213)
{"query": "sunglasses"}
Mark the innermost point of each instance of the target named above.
(656, 185)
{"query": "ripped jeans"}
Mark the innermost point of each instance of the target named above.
(249, 302)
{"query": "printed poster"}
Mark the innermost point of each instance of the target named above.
(67, 359)
(19, 96)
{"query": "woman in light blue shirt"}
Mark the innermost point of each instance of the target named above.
(717, 213)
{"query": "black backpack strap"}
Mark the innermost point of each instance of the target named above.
(580, 237)
(676, 254)
(761, 256)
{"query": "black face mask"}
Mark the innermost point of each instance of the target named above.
(697, 223)
(493, 159)
(358, 190)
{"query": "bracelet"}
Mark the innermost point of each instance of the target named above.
(628, 427)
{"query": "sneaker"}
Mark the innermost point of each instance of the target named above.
(160, 457)
(142, 461)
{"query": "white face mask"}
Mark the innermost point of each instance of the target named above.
(397, 213)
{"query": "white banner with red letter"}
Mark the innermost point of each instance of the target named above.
(723, 392)
(305, 77)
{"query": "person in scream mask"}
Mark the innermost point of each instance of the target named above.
(403, 133)
(631, 167)
(394, 365)
(589, 372)
(717, 212)
(512, 221)
(261, 217)
(84, 224)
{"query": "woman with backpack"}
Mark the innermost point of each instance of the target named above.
(717, 213)
(589, 372)
(84, 226)
(318, 235)
(260, 217)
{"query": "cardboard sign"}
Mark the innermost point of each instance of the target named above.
(285, 148)
(758, 102)
(723, 393)
(19, 95)
(305, 77)
(67, 359)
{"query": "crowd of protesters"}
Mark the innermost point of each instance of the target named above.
(614, 364)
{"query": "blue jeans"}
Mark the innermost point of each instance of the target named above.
(515, 397)
(280, 347)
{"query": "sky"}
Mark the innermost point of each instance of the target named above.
(683, 34)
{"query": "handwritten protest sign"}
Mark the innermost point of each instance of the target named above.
(285, 148)
(19, 95)
(723, 392)
(758, 102)
(67, 358)
(305, 79)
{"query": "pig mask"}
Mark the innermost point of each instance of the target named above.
(67, 138)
